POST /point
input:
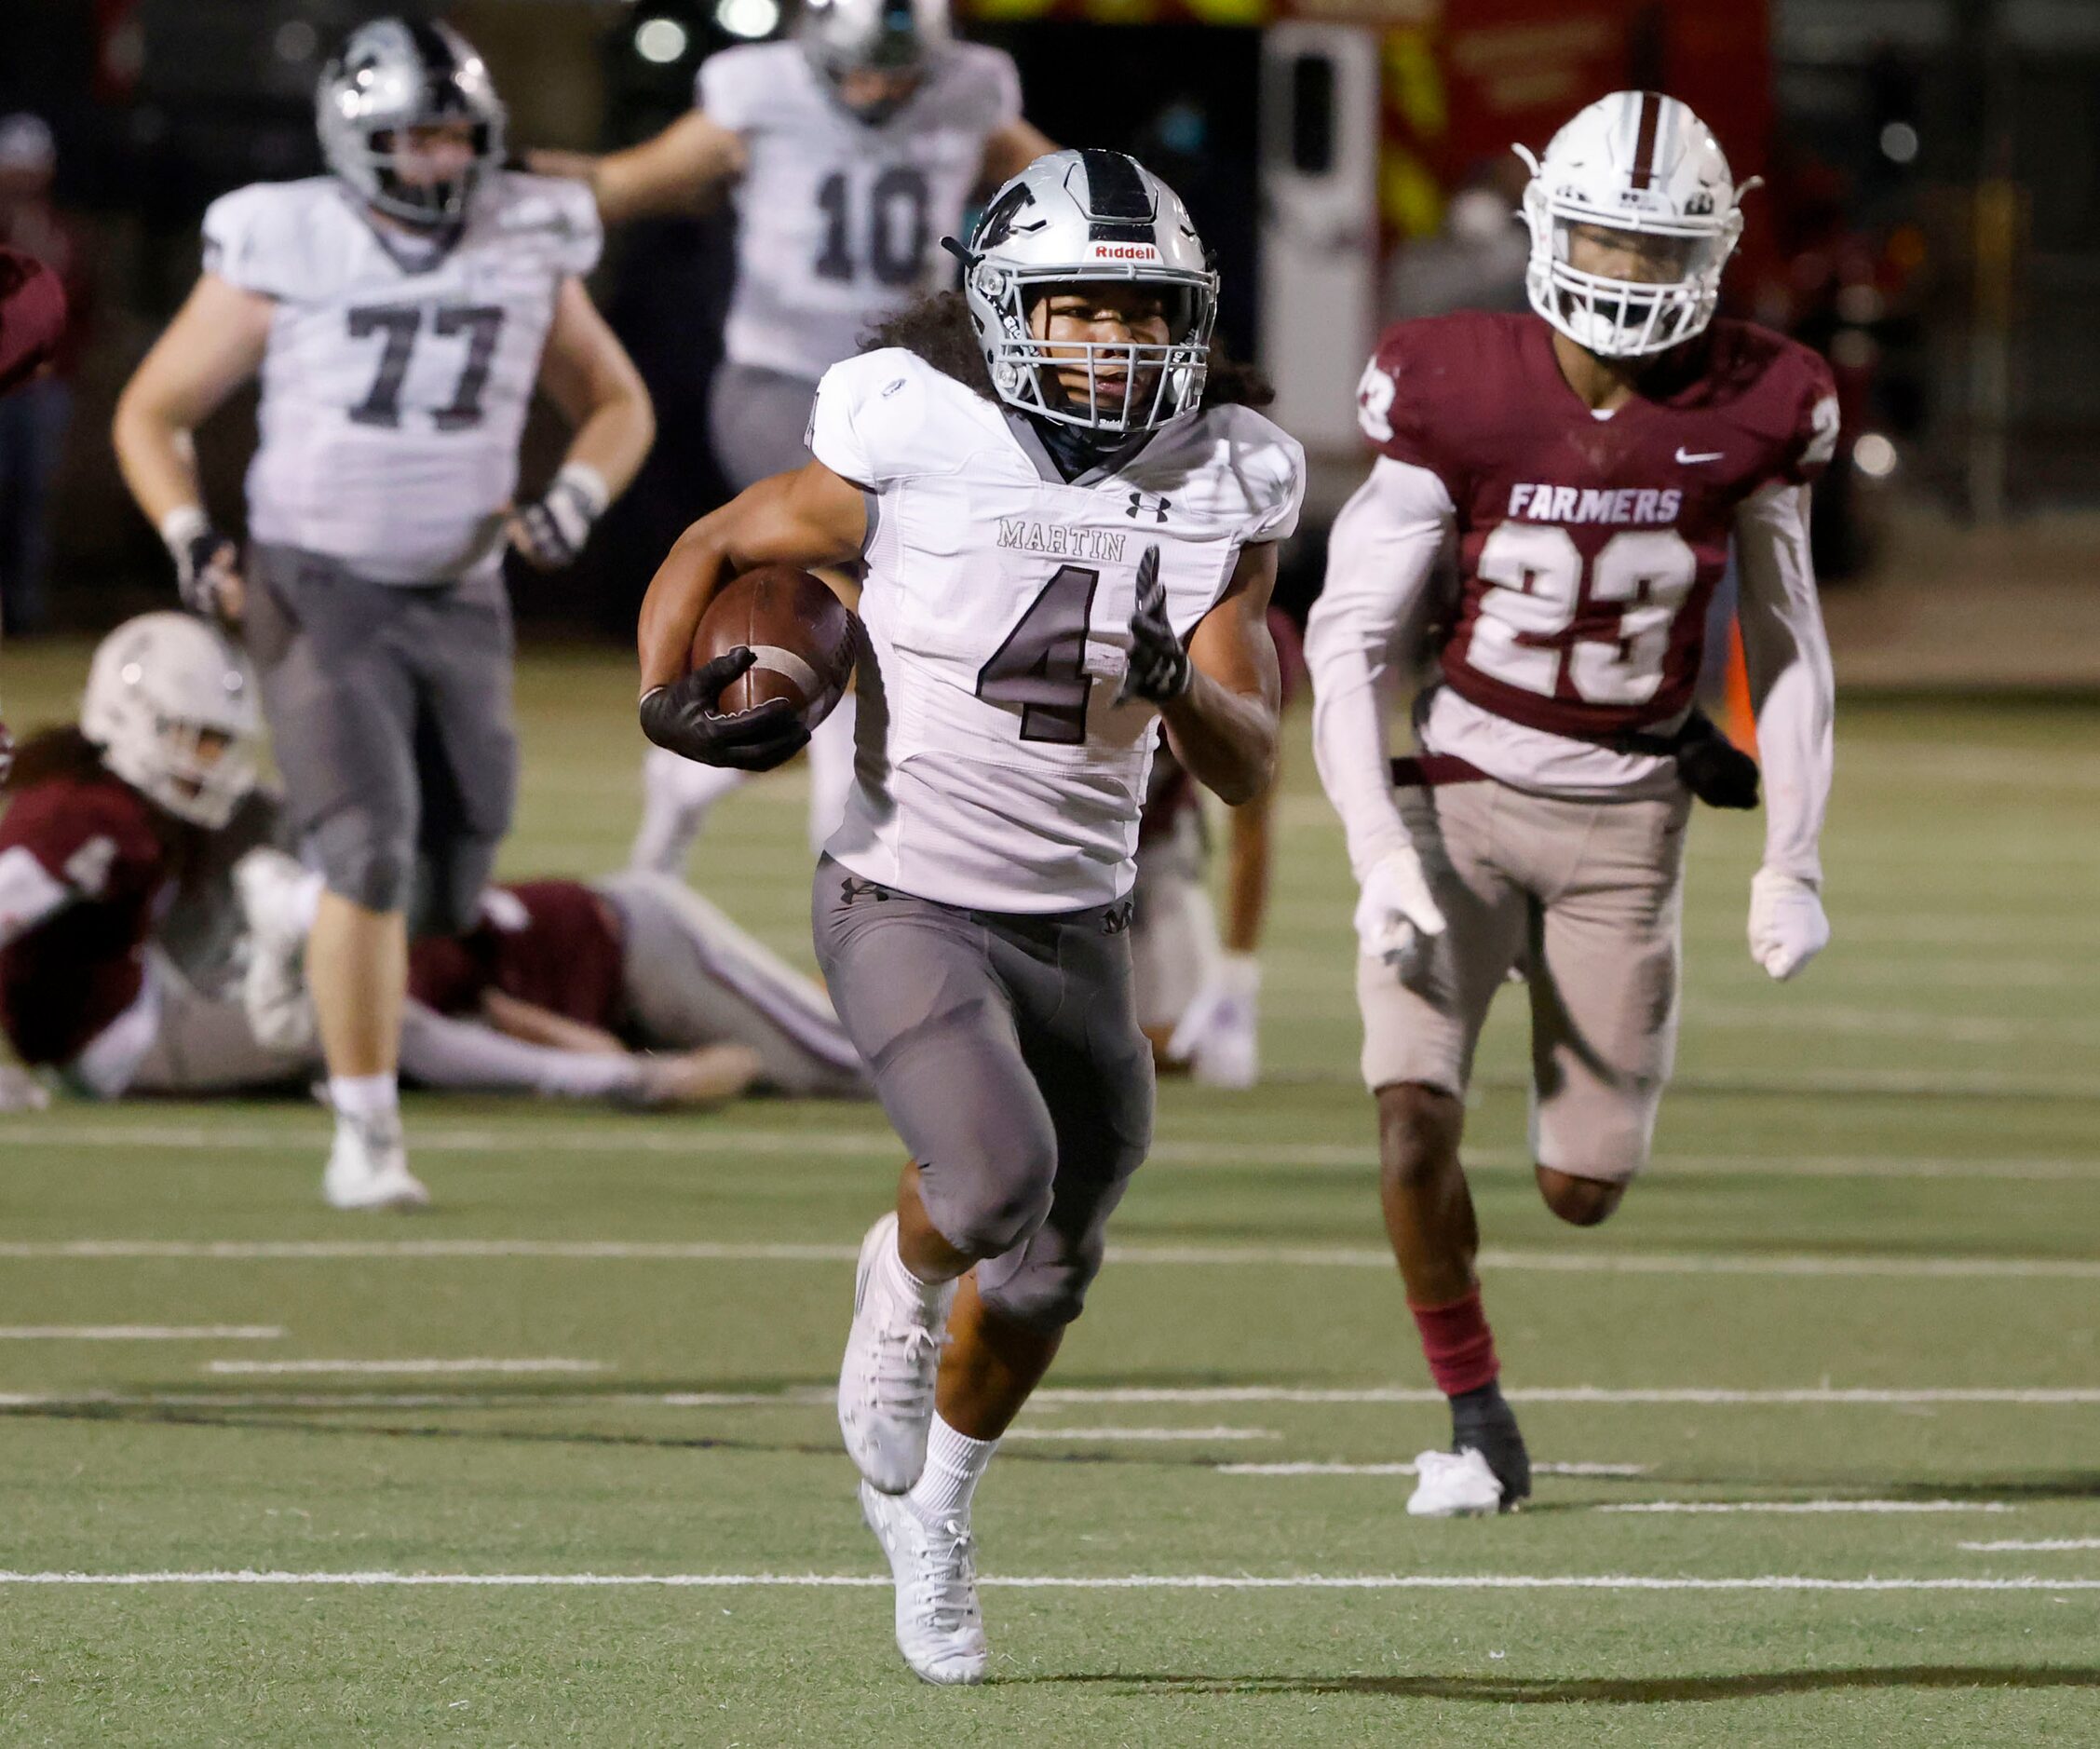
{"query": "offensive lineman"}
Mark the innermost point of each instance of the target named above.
(848, 152)
(1070, 532)
(1590, 463)
(400, 312)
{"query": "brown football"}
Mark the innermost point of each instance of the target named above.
(804, 636)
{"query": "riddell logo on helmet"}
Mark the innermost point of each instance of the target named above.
(1122, 252)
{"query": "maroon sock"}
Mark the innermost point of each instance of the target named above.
(1460, 1345)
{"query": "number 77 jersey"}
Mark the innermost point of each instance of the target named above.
(399, 369)
(1588, 547)
(996, 769)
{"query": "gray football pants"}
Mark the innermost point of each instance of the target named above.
(757, 420)
(1007, 1055)
(389, 713)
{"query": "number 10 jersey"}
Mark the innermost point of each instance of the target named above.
(399, 368)
(995, 769)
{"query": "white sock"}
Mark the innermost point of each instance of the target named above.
(954, 1463)
(367, 1096)
(929, 1294)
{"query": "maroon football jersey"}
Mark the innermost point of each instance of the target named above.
(32, 317)
(1588, 547)
(553, 944)
(65, 980)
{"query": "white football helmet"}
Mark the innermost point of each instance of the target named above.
(843, 36)
(1644, 168)
(394, 74)
(171, 704)
(1077, 217)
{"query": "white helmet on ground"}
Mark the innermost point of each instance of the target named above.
(171, 704)
(1642, 166)
(393, 75)
(1080, 217)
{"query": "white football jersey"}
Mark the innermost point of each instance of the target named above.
(397, 378)
(995, 769)
(839, 222)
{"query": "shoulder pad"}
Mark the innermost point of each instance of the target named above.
(558, 211)
(261, 238)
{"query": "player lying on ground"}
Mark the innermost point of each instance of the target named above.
(569, 989)
(849, 151)
(1591, 462)
(1198, 987)
(401, 313)
(134, 865)
(1069, 533)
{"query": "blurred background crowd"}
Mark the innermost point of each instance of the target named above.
(1930, 221)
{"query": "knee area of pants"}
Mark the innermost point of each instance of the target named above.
(992, 1225)
(365, 866)
(1044, 1298)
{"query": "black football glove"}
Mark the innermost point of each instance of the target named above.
(205, 560)
(1160, 670)
(682, 717)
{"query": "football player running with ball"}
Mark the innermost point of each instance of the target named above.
(1070, 528)
(848, 152)
(1592, 464)
(400, 312)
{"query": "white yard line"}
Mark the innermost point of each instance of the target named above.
(1053, 1397)
(418, 1367)
(707, 1139)
(1215, 1256)
(1806, 1505)
(1126, 1582)
(140, 1333)
(2049, 1545)
(1408, 1470)
(1092, 1433)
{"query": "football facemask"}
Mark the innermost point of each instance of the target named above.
(1089, 218)
(1633, 214)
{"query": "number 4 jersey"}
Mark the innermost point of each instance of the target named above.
(996, 769)
(399, 368)
(1588, 547)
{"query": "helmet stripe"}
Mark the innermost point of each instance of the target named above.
(1646, 130)
(440, 67)
(1118, 208)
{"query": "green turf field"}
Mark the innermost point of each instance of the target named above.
(1864, 1274)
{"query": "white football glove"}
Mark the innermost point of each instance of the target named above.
(550, 534)
(276, 902)
(1787, 926)
(1395, 910)
(1218, 1035)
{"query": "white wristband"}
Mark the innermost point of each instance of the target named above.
(588, 483)
(181, 525)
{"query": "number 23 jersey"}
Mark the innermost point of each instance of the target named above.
(398, 374)
(995, 768)
(1588, 547)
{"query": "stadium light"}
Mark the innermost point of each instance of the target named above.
(749, 19)
(661, 40)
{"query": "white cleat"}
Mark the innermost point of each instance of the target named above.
(367, 1167)
(939, 1628)
(1454, 1484)
(886, 1381)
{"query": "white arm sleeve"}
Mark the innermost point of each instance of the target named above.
(1790, 685)
(1363, 641)
(29, 893)
(439, 1050)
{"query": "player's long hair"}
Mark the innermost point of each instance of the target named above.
(57, 750)
(938, 328)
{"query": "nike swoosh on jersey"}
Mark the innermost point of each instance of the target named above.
(1713, 455)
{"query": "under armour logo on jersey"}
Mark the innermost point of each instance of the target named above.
(1157, 509)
